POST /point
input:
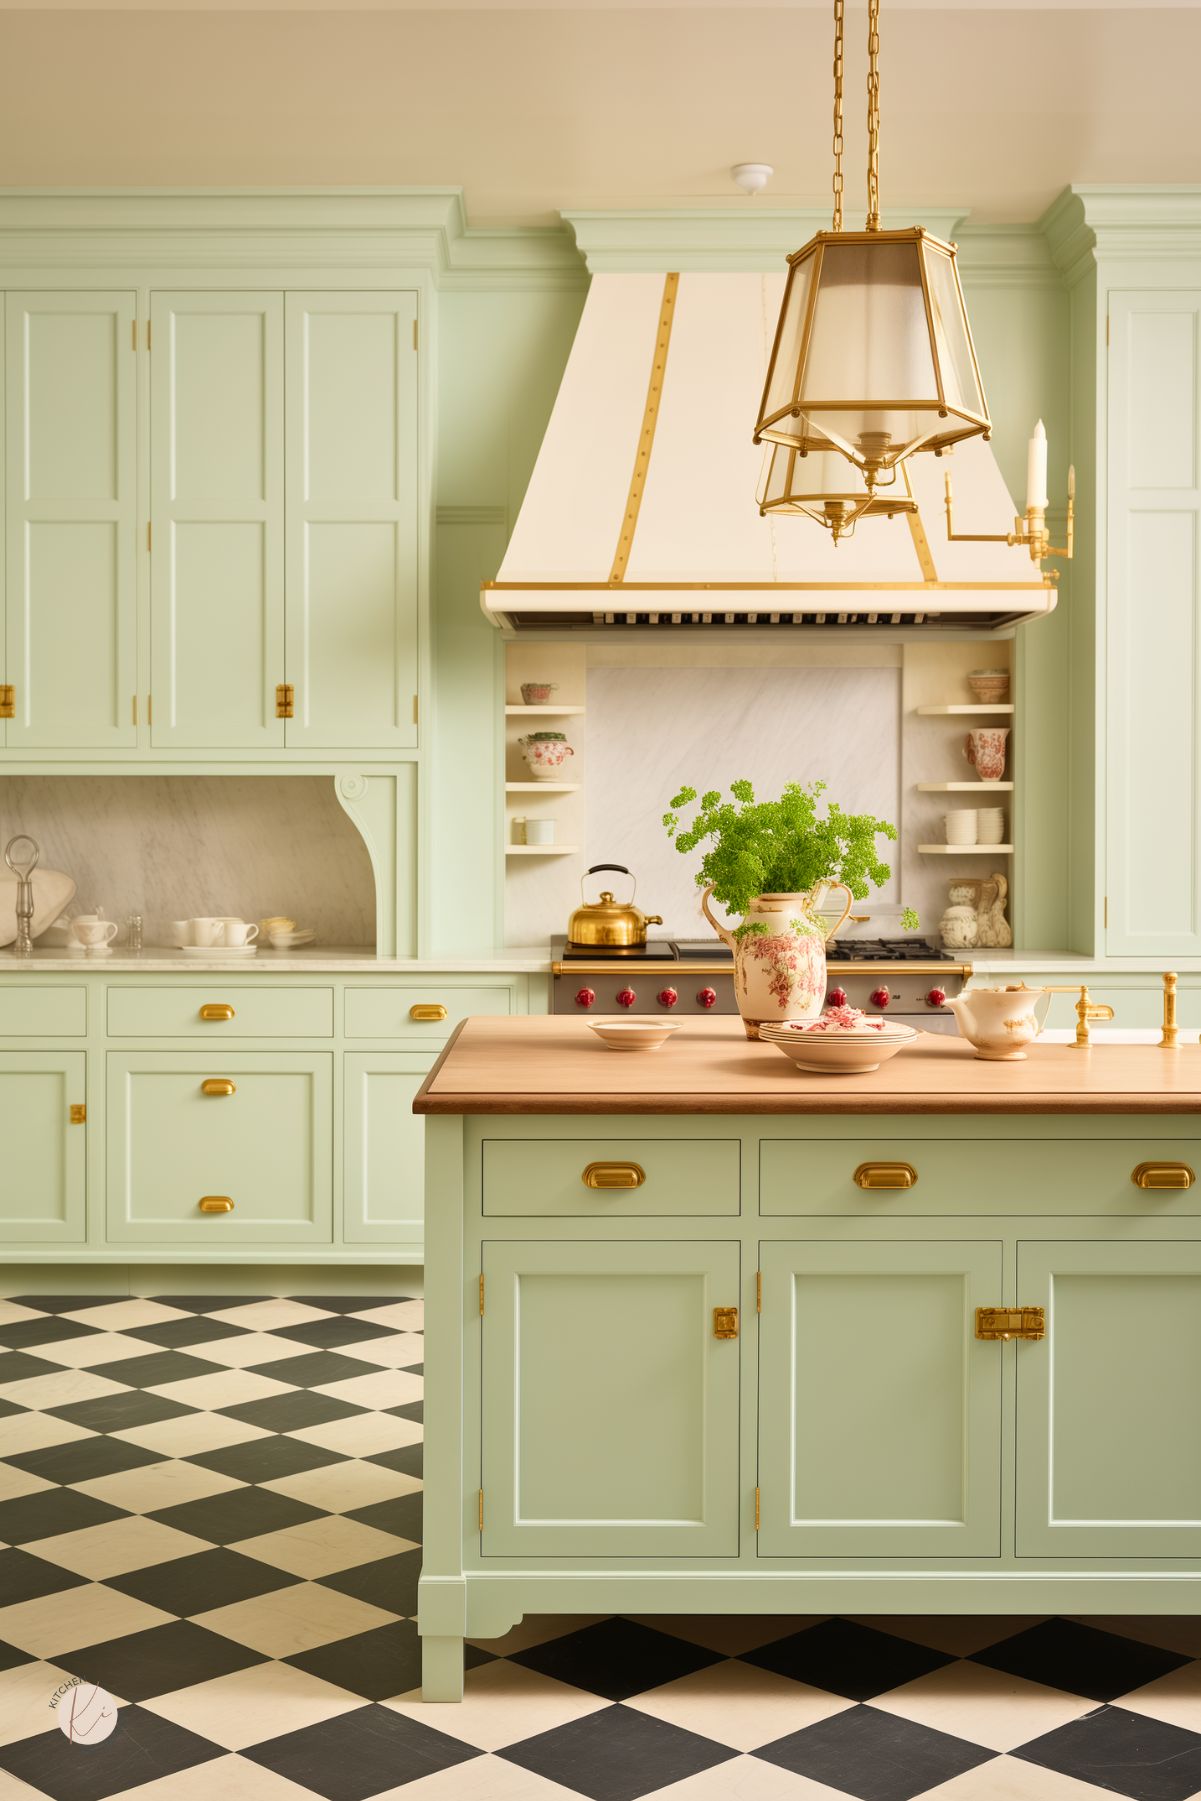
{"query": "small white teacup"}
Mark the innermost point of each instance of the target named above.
(207, 932)
(90, 929)
(238, 932)
(181, 932)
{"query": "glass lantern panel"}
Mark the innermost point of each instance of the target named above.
(790, 331)
(788, 478)
(952, 334)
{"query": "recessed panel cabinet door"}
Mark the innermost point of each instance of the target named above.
(1108, 1404)
(879, 1410)
(217, 487)
(610, 1409)
(385, 1148)
(70, 518)
(43, 1189)
(352, 519)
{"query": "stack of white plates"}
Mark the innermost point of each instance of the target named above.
(838, 1053)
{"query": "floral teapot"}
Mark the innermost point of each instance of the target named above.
(779, 954)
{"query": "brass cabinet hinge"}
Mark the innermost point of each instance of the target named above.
(416, 711)
(149, 536)
(133, 708)
(285, 700)
(148, 334)
(8, 701)
(481, 1509)
(481, 1294)
(79, 1114)
(414, 334)
(133, 332)
(756, 1507)
(725, 1322)
(1005, 1323)
(758, 1291)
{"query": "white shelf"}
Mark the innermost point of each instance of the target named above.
(541, 712)
(546, 787)
(958, 711)
(977, 787)
(965, 850)
(542, 850)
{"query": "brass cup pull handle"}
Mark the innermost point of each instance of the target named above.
(427, 1010)
(215, 1203)
(217, 1010)
(613, 1175)
(218, 1085)
(885, 1175)
(1162, 1175)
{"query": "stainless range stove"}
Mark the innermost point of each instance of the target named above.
(908, 977)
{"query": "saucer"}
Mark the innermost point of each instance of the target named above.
(218, 950)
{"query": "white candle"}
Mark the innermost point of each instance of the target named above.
(1036, 469)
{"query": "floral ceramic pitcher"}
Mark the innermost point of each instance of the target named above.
(779, 955)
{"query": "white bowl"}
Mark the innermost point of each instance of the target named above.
(633, 1034)
(839, 1053)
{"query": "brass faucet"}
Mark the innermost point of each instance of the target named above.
(1086, 1009)
(1171, 1031)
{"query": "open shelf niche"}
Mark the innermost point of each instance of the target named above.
(564, 665)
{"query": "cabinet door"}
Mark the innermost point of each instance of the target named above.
(70, 519)
(1109, 1403)
(1153, 719)
(266, 1147)
(352, 519)
(879, 1410)
(43, 1194)
(217, 491)
(384, 1161)
(610, 1410)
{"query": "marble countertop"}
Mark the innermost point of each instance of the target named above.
(319, 960)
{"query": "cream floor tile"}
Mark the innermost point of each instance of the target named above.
(319, 1547)
(398, 1316)
(1175, 1632)
(739, 1705)
(25, 1699)
(52, 1625)
(190, 1433)
(35, 1431)
(341, 1487)
(959, 1635)
(122, 1316)
(987, 1707)
(11, 1312)
(246, 1351)
(399, 1350)
(293, 1619)
(503, 1704)
(1009, 1779)
(362, 1435)
(60, 1389)
(1175, 1698)
(98, 1349)
(382, 1388)
(483, 1779)
(750, 1779)
(157, 1485)
(15, 1482)
(248, 1706)
(116, 1547)
(537, 1629)
(229, 1778)
(731, 1634)
(224, 1388)
(269, 1316)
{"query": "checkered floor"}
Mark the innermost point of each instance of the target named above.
(213, 1510)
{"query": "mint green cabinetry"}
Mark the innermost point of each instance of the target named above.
(610, 1408)
(70, 519)
(384, 1160)
(526, 1176)
(44, 1153)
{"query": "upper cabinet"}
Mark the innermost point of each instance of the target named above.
(70, 514)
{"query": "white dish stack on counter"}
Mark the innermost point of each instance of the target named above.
(842, 1041)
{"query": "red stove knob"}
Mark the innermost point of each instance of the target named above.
(880, 997)
(667, 997)
(585, 997)
(626, 997)
(706, 997)
(937, 997)
(837, 997)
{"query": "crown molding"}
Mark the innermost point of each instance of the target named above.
(1007, 256)
(1087, 225)
(741, 236)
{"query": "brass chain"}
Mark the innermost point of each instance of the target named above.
(838, 23)
(873, 115)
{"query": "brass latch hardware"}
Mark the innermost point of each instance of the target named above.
(8, 701)
(1011, 1322)
(217, 1010)
(885, 1175)
(1162, 1175)
(613, 1175)
(725, 1322)
(427, 1010)
(480, 1508)
(79, 1114)
(481, 1294)
(285, 700)
(215, 1203)
(756, 1507)
(218, 1085)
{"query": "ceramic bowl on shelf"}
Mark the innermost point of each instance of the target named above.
(990, 687)
(838, 1053)
(633, 1034)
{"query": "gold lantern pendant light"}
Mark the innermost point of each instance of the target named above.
(873, 355)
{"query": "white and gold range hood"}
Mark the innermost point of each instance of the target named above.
(641, 511)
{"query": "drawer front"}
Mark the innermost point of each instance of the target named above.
(426, 1012)
(978, 1175)
(605, 1178)
(49, 1012)
(217, 1010)
(220, 1151)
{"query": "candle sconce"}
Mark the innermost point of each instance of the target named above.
(1031, 530)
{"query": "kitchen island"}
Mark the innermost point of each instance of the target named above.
(707, 1334)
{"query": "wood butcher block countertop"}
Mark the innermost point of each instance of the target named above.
(552, 1065)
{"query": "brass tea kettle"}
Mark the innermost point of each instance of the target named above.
(607, 922)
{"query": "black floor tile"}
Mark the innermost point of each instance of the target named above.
(175, 1334)
(158, 1367)
(390, 1582)
(288, 1413)
(360, 1754)
(1081, 1659)
(12, 1655)
(19, 1366)
(377, 1665)
(206, 1579)
(237, 1513)
(24, 1333)
(10, 1407)
(847, 1659)
(617, 1754)
(874, 1756)
(413, 1410)
(50, 1511)
(26, 1577)
(83, 1459)
(117, 1412)
(158, 1660)
(209, 1303)
(1124, 1753)
(263, 1459)
(407, 1459)
(66, 1303)
(329, 1334)
(616, 1658)
(401, 1516)
(349, 1303)
(312, 1368)
(142, 1748)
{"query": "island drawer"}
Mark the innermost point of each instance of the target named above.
(216, 1010)
(874, 1176)
(426, 1010)
(607, 1178)
(47, 1012)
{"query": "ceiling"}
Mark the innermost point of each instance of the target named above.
(530, 109)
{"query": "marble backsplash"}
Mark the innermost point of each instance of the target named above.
(169, 847)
